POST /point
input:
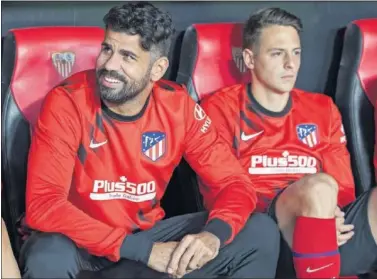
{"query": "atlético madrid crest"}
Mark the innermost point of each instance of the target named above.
(308, 134)
(63, 62)
(153, 145)
(238, 59)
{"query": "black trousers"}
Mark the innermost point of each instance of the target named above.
(252, 254)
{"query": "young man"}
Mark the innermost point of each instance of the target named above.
(293, 145)
(103, 151)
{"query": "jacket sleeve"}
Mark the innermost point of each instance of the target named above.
(227, 189)
(53, 150)
(222, 118)
(336, 158)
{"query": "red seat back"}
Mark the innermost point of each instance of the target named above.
(44, 57)
(211, 58)
(34, 61)
(356, 95)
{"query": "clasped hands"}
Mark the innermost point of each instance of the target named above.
(180, 258)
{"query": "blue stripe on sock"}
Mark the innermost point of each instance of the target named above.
(315, 255)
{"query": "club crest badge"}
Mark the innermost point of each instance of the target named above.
(63, 62)
(153, 145)
(238, 59)
(308, 134)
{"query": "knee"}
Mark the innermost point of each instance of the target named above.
(3, 226)
(373, 197)
(321, 184)
(48, 255)
(4, 237)
(6, 247)
(320, 189)
(373, 201)
(372, 212)
(262, 235)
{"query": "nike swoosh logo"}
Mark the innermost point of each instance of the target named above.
(245, 137)
(96, 145)
(309, 270)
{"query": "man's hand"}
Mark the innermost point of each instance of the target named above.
(193, 252)
(344, 232)
(161, 255)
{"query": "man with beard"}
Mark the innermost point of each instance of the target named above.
(103, 151)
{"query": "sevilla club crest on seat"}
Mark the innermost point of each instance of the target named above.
(238, 59)
(63, 62)
(153, 145)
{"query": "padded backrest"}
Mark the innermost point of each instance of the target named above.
(356, 95)
(211, 58)
(34, 61)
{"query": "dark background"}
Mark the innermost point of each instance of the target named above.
(322, 40)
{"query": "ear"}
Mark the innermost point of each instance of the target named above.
(248, 58)
(159, 68)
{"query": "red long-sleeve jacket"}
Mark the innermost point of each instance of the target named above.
(279, 148)
(96, 176)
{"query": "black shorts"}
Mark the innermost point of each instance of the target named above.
(358, 255)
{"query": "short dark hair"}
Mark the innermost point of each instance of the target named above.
(142, 18)
(264, 18)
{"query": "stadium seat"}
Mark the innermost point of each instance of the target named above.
(34, 61)
(356, 95)
(211, 58)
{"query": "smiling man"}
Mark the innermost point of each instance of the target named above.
(104, 148)
(293, 145)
